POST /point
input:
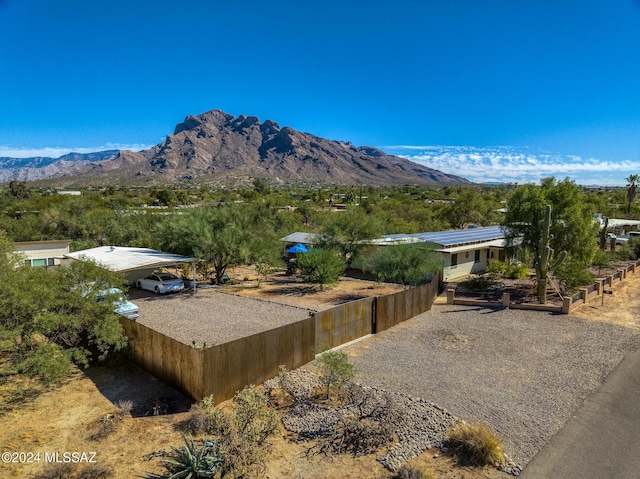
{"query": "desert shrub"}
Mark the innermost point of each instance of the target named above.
(601, 259)
(517, 271)
(477, 283)
(321, 266)
(123, 408)
(335, 370)
(572, 275)
(191, 461)
(70, 471)
(629, 250)
(202, 418)
(56, 471)
(95, 471)
(409, 265)
(108, 423)
(242, 434)
(413, 470)
(264, 269)
(497, 269)
(475, 444)
(372, 422)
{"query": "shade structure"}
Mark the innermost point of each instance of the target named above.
(298, 248)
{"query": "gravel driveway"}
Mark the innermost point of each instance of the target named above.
(210, 316)
(521, 372)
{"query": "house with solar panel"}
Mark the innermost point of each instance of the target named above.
(464, 252)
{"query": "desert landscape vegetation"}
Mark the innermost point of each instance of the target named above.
(67, 385)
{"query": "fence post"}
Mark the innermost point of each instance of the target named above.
(584, 292)
(624, 274)
(566, 305)
(506, 300)
(600, 287)
(450, 295)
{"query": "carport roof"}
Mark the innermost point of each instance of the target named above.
(123, 259)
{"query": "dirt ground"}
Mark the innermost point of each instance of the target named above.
(285, 289)
(616, 308)
(71, 416)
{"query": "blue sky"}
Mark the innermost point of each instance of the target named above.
(492, 90)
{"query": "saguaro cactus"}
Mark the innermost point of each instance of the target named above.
(545, 257)
(603, 234)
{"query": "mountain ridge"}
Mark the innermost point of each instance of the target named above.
(219, 146)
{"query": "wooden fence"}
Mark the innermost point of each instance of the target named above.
(223, 369)
(344, 323)
(569, 302)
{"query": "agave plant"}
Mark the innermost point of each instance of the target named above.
(189, 462)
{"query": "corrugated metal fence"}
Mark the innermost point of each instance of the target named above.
(223, 369)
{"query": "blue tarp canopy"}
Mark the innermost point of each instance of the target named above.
(298, 248)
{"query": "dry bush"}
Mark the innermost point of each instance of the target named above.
(56, 471)
(475, 444)
(123, 408)
(413, 470)
(372, 421)
(71, 471)
(109, 422)
(241, 435)
(202, 418)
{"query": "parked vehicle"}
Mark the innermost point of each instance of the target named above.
(121, 304)
(623, 239)
(161, 283)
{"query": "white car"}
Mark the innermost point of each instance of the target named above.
(161, 283)
(121, 304)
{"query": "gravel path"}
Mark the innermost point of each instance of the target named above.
(212, 317)
(521, 372)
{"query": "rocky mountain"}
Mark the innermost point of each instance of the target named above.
(39, 167)
(219, 147)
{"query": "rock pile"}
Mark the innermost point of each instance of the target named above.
(424, 425)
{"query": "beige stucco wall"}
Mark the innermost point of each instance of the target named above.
(43, 249)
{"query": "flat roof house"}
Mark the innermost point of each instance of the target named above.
(463, 252)
(43, 253)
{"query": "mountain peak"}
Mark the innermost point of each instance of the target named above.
(218, 145)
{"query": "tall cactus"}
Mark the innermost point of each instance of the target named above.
(603, 234)
(545, 257)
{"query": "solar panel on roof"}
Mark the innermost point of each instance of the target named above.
(457, 237)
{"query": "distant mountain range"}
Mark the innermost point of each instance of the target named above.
(218, 147)
(39, 167)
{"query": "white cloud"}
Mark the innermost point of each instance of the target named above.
(515, 165)
(56, 151)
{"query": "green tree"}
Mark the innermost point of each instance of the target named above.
(19, 189)
(335, 370)
(50, 321)
(221, 237)
(347, 231)
(572, 228)
(321, 266)
(409, 265)
(631, 190)
(468, 207)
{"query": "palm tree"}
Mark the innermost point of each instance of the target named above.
(631, 191)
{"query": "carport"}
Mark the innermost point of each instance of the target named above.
(135, 263)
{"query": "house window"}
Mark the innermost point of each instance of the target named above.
(477, 258)
(40, 262)
(454, 259)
